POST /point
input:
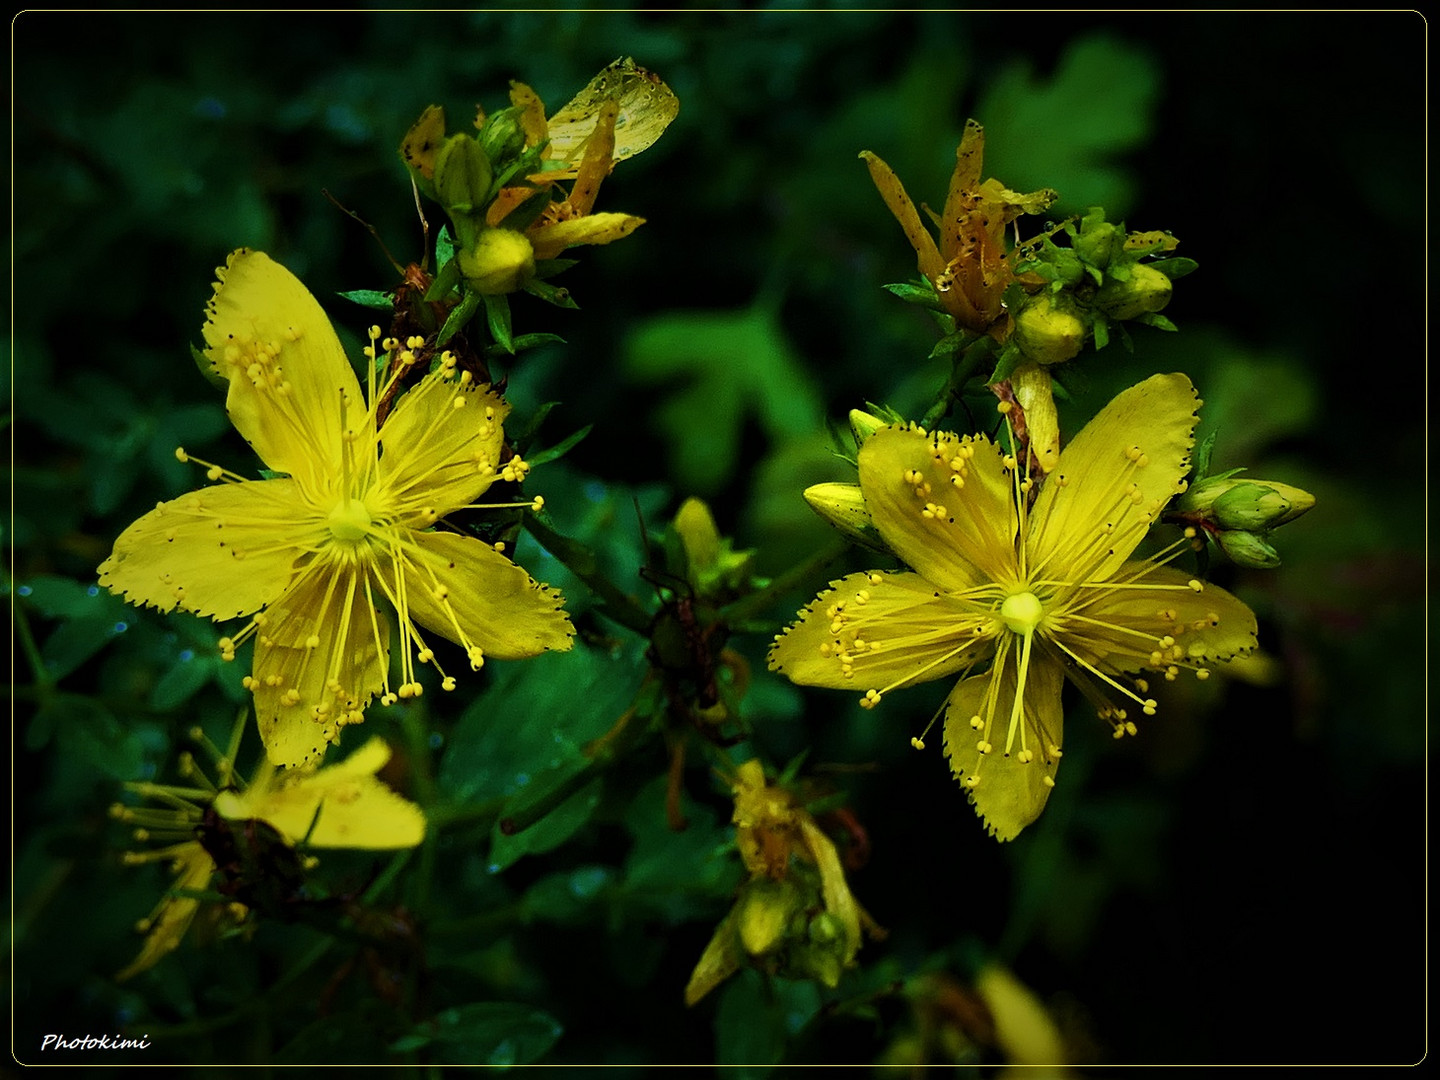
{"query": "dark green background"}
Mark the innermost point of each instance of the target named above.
(1245, 882)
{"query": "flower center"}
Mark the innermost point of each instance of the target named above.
(1022, 613)
(350, 520)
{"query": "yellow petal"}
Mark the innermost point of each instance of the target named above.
(1007, 793)
(909, 632)
(288, 375)
(944, 504)
(893, 192)
(644, 108)
(173, 917)
(355, 810)
(550, 240)
(221, 552)
(437, 456)
(1206, 625)
(332, 679)
(489, 601)
(1113, 480)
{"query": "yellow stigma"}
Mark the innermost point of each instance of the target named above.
(1022, 613)
(350, 520)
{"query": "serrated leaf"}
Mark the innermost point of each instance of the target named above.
(1035, 137)
(730, 365)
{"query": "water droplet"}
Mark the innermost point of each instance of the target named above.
(93, 590)
(120, 627)
(435, 741)
(24, 590)
(186, 655)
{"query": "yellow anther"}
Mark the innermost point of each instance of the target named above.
(447, 683)
(313, 641)
(1197, 585)
(976, 723)
(180, 455)
(1025, 757)
(1202, 673)
(1003, 407)
(917, 742)
(984, 746)
(972, 781)
(1048, 781)
(538, 503)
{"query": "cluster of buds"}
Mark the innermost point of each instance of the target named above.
(794, 915)
(1104, 277)
(1238, 515)
(504, 187)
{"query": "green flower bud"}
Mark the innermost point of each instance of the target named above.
(1260, 504)
(462, 175)
(1245, 504)
(864, 424)
(843, 505)
(502, 137)
(500, 261)
(1098, 241)
(1049, 328)
(1145, 290)
(1248, 549)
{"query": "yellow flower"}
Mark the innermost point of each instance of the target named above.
(1039, 586)
(339, 806)
(314, 555)
(969, 269)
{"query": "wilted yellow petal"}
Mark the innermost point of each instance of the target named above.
(1024, 1029)
(644, 105)
(553, 238)
(893, 192)
(421, 142)
(173, 917)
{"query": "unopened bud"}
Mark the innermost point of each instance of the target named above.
(1049, 328)
(499, 261)
(763, 913)
(1145, 290)
(462, 175)
(1260, 505)
(864, 424)
(1248, 549)
(1245, 504)
(502, 136)
(1098, 241)
(843, 505)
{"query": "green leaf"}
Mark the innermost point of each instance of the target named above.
(370, 298)
(552, 294)
(559, 823)
(729, 366)
(1045, 141)
(461, 314)
(913, 293)
(498, 1033)
(560, 449)
(497, 316)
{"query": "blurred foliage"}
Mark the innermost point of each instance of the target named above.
(1172, 894)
